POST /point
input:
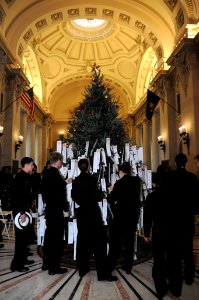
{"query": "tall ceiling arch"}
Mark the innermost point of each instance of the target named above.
(138, 37)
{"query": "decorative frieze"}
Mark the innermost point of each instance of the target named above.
(28, 35)
(152, 37)
(2, 15)
(124, 18)
(159, 52)
(140, 25)
(20, 50)
(74, 12)
(180, 18)
(171, 4)
(107, 13)
(41, 24)
(91, 11)
(57, 17)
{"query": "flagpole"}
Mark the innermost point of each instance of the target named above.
(10, 104)
(15, 100)
(170, 106)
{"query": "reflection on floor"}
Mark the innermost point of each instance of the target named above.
(36, 284)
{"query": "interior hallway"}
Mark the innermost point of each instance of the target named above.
(36, 284)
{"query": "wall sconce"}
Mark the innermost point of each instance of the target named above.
(1, 130)
(61, 135)
(161, 143)
(185, 136)
(18, 144)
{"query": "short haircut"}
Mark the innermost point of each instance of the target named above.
(125, 167)
(55, 157)
(180, 160)
(196, 157)
(83, 165)
(26, 161)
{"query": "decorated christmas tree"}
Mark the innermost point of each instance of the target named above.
(96, 117)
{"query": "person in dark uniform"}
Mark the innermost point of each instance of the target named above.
(174, 227)
(125, 196)
(91, 237)
(53, 188)
(185, 195)
(6, 185)
(22, 201)
(155, 219)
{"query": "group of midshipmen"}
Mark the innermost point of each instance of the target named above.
(168, 219)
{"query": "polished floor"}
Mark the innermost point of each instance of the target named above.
(37, 284)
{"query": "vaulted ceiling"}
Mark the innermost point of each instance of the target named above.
(56, 54)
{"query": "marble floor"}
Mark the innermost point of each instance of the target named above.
(37, 284)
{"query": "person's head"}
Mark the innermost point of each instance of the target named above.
(27, 164)
(83, 165)
(56, 160)
(6, 169)
(162, 170)
(196, 158)
(180, 160)
(124, 169)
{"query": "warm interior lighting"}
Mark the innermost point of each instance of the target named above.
(185, 136)
(18, 144)
(1, 130)
(89, 23)
(161, 142)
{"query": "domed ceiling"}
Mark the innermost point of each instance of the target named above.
(56, 51)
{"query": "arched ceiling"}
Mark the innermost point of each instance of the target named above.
(56, 55)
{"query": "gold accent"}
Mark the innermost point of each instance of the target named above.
(108, 13)
(159, 52)
(28, 35)
(140, 25)
(20, 50)
(57, 16)
(153, 37)
(73, 12)
(180, 18)
(91, 11)
(42, 23)
(124, 18)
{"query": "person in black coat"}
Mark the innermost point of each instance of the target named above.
(22, 202)
(91, 237)
(125, 196)
(53, 188)
(155, 219)
(173, 227)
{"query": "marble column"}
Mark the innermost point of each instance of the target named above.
(32, 140)
(155, 148)
(23, 132)
(146, 144)
(138, 135)
(38, 149)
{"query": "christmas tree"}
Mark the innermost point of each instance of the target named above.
(96, 117)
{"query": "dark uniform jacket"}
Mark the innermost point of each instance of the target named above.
(22, 193)
(179, 194)
(53, 189)
(86, 194)
(125, 197)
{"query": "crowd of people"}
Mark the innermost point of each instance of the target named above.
(169, 212)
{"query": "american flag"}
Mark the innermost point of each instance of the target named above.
(28, 98)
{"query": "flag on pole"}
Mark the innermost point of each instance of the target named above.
(28, 98)
(151, 103)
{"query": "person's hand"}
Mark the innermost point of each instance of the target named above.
(23, 218)
(69, 180)
(66, 214)
(147, 239)
(110, 188)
